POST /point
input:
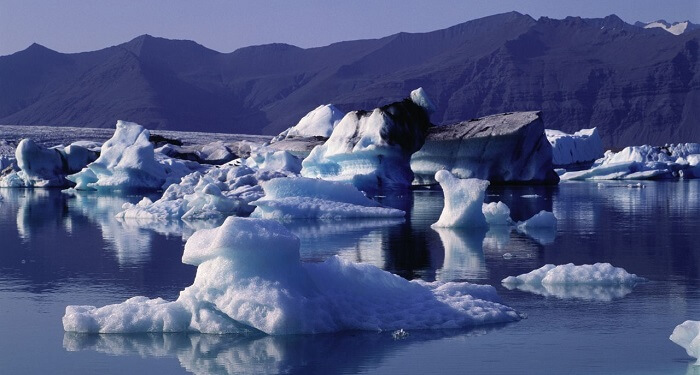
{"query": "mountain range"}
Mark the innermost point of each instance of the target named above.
(637, 85)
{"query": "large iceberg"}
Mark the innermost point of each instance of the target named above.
(46, 167)
(372, 149)
(644, 162)
(687, 335)
(250, 279)
(301, 197)
(599, 281)
(127, 161)
(583, 146)
(503, 148)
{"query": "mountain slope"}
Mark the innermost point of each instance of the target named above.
(636, 85)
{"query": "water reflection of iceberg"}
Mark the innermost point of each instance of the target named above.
(464, 256)
(34, 214)
(542, 235)
(131, 245)
(169, 228)
(573, 291)
(497, 238)
(356, 240)
(234, 354)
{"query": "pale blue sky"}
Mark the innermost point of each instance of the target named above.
(75, 26)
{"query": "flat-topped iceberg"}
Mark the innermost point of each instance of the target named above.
(644, 163)
(582, 146)
(599, 281)
(307, 198)
(503, 148)
(250, 279)
(687, 335)
(372, 149)
(126, 161)
(45, 167)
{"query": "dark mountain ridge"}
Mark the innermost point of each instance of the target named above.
(636, 85)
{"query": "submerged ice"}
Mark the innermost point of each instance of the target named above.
(250, 279)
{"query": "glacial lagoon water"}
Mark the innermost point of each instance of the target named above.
(58, 249)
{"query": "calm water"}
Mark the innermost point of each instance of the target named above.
(57, 250)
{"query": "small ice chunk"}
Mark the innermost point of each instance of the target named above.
(399, 334)
(687, 335)
(496, 213)
(599, 281)
(463, 201)
(543, 219)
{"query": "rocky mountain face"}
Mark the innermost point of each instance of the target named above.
(636, 85)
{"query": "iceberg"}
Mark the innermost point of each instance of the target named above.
(644, 163)
(599, 281)
(45, 167)
(126, 161)
(214, 153)
(311, 131)
(250, 279)
(463, 201)
(687, 335)
(464, 208)
(372, 149)
(583, 146)
(220, 192)
(320, 122)
(307, 198)
(503, 148)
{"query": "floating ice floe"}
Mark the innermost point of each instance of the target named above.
(372, 150)
(508, 147)
(599, 281)
(220, 192)
(644, 163)
(45, 167)
(127, 161)
(310, 198)
(687, 335)
(583, 146)
(250, 279)
(542, 227)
